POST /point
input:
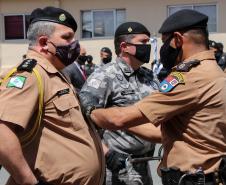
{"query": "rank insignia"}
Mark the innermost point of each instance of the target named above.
(62, 17)
(171, 81)
(16, 81)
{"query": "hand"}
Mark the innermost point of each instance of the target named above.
(115, 161)
(88, 103)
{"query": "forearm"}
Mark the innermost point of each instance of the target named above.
(148, 132)
(11, 157)
(118, 117)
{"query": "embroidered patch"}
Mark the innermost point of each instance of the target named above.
(119, 77)
(16, 81)
(127, 92)
(179, 76)
(95, 83)
(171, 81)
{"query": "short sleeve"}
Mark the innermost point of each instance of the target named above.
(159, 107)
(98, 85)
(19, 98)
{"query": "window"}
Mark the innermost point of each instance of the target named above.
(209, 10)
(101, 23)
(16, 26)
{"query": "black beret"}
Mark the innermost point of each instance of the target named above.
(131, 28)
(53, 14)
(106, 50)
(184, 19)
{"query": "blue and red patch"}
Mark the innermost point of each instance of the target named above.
(171, 81)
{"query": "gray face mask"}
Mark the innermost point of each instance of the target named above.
(67, 53)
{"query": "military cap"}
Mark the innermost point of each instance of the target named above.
(106, 50)
(184, 19)
(52, 14)
(131, 28)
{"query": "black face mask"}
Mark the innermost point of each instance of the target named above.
(143, 52)
(106, 60)
(168, 54)
(82, 59)
(67, 53)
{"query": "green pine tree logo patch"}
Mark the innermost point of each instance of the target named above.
(17, 81)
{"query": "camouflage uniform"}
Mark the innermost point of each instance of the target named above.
(117, 84)
(89, 69)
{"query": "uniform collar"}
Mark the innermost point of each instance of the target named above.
(42, 61)
(204, 55)
(201, 56)
(126, 69)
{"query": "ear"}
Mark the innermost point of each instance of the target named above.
(178, 39)
(42, 40)
(123, 47)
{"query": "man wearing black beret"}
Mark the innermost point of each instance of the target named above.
(120, 83)
(45, 139)
(190, 106)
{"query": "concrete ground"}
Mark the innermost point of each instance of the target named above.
(153, 166)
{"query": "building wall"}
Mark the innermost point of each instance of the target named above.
(149, 12)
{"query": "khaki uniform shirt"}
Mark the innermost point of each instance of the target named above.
(67, 150)
(192, 117)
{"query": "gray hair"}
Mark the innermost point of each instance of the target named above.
(38, 29)
(122, 38)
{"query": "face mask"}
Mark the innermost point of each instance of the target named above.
(82, 59)
(67, 53)
(106, 60)
(168, 54)
(143, 52)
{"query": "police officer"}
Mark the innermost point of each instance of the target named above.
(190, 106)
(105, 56)
(121, 83)
(65, 150)
(90, 66)
(217, 47)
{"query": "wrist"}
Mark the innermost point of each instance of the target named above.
(89, 111)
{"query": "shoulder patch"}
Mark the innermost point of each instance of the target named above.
(16, 81)
(27, 65)
(171, 81)
(185, 67)
(95, 83)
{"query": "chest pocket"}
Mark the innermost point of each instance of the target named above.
(68, 112)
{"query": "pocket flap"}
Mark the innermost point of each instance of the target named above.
(64, 103)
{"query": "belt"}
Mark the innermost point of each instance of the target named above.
(212, 178)
(173, 176)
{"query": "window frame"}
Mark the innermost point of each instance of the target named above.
(114, 10)
(24, 26)
(193, 5)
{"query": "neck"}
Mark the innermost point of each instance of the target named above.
(131, 60)
(192, 50)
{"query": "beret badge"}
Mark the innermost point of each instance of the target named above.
(130, 29)
(62, 17)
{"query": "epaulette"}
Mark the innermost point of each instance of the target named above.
(185, 67)
(27, 65)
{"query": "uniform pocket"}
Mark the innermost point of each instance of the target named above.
(67, 108)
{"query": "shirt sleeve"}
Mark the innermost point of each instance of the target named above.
(98, 84)
(19, 98)
(159, 107)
